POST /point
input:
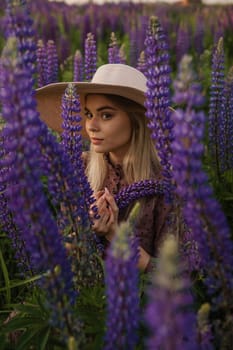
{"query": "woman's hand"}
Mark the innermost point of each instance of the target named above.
(144, 259)
(108, 211)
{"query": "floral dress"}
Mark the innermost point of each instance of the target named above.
(152, 223)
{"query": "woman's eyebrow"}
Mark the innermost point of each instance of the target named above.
(106, 107)
(102, 108)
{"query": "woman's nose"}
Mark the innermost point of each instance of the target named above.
(93, 125)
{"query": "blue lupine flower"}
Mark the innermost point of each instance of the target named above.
(7, 224)
(72, 143)
(169, 314)
(78, 66)
(144, 188)
(182, 41)
(201, 211)
(23, 181)
(53, 64)
(19, 24)
(41, 60)
(227, 162)
(158, 99)
(122, 289)
(90, 57)
(217, 109)
(87, 266)
(141, 64)
(114, 52)
(187, 90)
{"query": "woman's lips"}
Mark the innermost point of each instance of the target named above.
(96, 141)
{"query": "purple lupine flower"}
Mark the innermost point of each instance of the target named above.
(137, 38)
(64, 48)
(23, 181)
(182, 41)
(199, 32)
(52, 65)
(7, 224)
(187, 90)
(158, 99)
(90, 57)
(18, 23)
(68, 202)
(228, 122)
(42, 64)
(169, 314)
(114, 50)
(78, 66)
(141, 64)
(72, 143)
(87, 266)
(217, 109)
(133, 49)
(137, 190)
(190, 252)
(201, 211)
(122, 54)
(122, 288)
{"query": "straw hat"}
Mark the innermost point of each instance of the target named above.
(115, 79)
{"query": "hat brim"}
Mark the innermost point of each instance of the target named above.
(49, 99)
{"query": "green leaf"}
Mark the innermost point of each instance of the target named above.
(6, 279)
(26, 339)
(21, 283)
(21, 323)
(43, 336)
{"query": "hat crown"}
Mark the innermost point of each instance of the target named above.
(118, 74)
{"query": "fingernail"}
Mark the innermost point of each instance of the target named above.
(106, 190)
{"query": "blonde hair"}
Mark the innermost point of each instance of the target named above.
(141, 161)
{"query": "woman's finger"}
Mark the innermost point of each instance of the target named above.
(111, 201)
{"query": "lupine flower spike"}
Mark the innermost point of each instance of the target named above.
(217, 110)
(115, 54)
(7, 224)
(53, 64)
(169, 314)
(188, 95)
(122, 288)
(19, 24)
(137, 190)
(158, 99)
(23, 181)
(90, 57)
(87, 267)
(187, 89)
(141, 64)
(41, 60)
(78, 66)
(227, 162)
(72, 143)
(201, 211)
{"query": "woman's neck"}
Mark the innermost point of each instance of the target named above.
(115, 159)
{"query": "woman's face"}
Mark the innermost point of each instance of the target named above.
(108, 126)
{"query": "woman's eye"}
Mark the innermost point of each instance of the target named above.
(106, 116)
(88, 115)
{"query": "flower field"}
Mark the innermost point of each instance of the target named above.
(56, 290)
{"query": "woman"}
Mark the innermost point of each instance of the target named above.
(121, 150)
